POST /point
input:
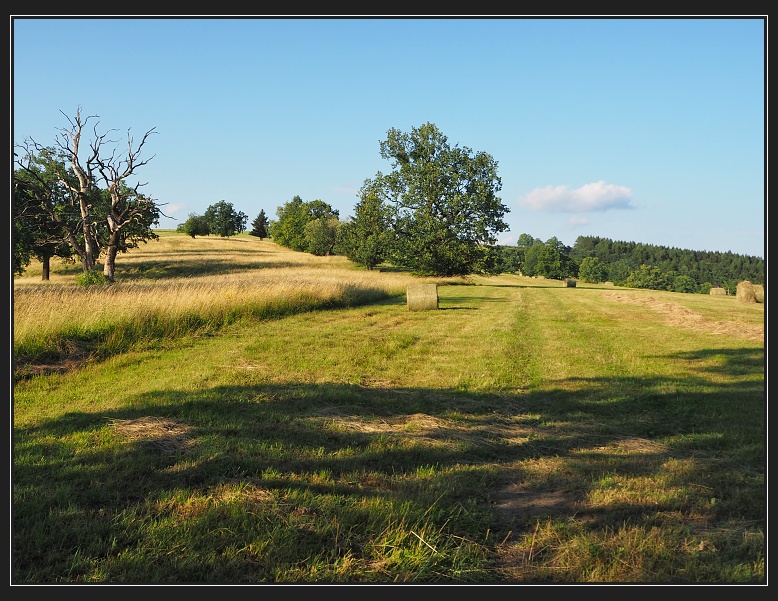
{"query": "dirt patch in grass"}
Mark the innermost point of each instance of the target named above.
(165, 435)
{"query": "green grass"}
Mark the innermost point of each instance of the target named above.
(524, 433)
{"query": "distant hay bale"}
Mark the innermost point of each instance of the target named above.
(608, 284)
(759, 293)
(746, 292)
(422, 297)
(715, 291)
(570, 282)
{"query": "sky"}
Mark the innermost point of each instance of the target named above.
(636, 129)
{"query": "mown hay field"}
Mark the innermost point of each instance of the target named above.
(231, 412)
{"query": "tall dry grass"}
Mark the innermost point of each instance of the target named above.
(214, 282)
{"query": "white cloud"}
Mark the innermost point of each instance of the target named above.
(578, 220)
(597, 196)
(350, 187)
(172, 209)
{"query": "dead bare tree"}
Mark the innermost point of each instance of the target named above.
(128, 205)
(69, 144)
(129, 214)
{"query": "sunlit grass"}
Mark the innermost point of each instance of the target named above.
(247, 422)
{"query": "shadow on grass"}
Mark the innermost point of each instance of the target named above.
(374, 442)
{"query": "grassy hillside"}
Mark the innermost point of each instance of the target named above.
(233, 412)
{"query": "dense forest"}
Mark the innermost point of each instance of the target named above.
(595, 259)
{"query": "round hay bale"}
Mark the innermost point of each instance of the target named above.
(422, 297)
(608, 284)
(759, 293)
(570, 283)
(715, 291)
(745, 292)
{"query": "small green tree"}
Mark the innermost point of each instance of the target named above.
(592, 270)
(320, 235)
(705, 287)
(684, 283)
(259, 227)
(195, 225)
(224, 220)
(511, 259)
(647, 276)
(526, 240)
(367, 238)
(549, 262)
(544, 259)
(530, 260)
(289, 229)
(619, 271)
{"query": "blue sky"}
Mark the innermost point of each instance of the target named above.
(644, 130)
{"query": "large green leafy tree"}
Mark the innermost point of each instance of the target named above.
(224, 220)
(548, 262)
(367, 237)
(259, 227)
(447, 212)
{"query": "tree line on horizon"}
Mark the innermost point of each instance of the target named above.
(595, 259)
(435, 213)
(316, 228)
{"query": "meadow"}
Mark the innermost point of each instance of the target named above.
(233, 412)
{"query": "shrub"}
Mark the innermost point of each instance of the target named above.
(92, 278)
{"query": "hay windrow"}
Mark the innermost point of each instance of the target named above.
(679, 316)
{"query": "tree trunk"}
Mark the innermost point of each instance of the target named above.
(46, 268)
(110, 256)
(91, 248)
